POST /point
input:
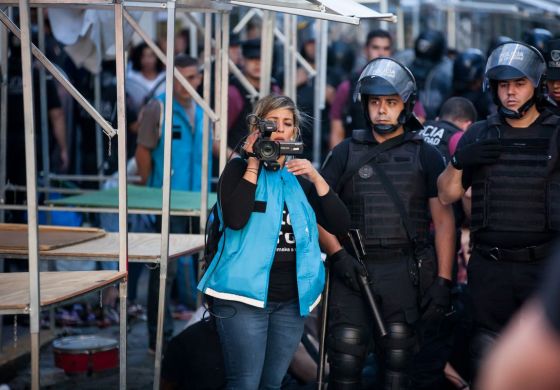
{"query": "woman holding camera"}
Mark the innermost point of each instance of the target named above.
(267, 274)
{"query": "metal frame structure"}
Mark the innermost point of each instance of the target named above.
(31, 183)
(222, 64)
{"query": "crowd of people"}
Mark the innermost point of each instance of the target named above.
(447, 165)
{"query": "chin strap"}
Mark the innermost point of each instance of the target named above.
(385, 129)
(388, 129)
(512, 114)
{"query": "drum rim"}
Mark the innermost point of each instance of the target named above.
(85, 351)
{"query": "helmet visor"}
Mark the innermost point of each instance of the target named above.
(383, 77)
(514, 60)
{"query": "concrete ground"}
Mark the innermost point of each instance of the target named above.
(140, 367)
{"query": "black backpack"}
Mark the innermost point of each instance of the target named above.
(212, 236)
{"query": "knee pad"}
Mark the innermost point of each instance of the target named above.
(347, 349)
(481, 342)
(398, 347)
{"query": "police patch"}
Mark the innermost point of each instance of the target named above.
(555, 55)
(365, 172)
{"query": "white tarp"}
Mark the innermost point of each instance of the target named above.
(88, 35)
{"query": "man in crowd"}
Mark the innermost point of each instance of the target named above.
(433, 71)
(346, 114)
(468, 75)
(552, 57)
(185, 167)
(511, 161)
(455, 116)
(380, 161)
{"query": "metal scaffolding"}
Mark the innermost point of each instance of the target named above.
(348, 12)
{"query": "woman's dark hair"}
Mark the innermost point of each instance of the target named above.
(136, 57)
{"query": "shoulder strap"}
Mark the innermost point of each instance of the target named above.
(396, 199)
(373, 152)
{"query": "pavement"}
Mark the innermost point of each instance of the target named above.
(140, 363)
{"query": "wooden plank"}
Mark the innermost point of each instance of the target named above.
(14, 236)
(141, 246)
(55, 286)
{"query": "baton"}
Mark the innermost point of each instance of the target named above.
(322, 351)
(365, 284)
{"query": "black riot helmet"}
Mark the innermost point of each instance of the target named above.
(467, 68)
(511, 61)
(430, 45)
(537, 37)
(385, 77)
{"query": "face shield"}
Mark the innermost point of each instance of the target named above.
(384, 77)
(514, 60)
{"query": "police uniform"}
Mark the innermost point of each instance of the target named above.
(413, 167)
(515, 196)
(552, 58)
(514, 215)
(438, 134)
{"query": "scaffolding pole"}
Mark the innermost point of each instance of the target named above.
(205, 124)
(31, 179)
(267, 46)
(166, 190)
(320, 85)
(123, 202)
(3, 131)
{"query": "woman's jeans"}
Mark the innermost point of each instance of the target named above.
(258, 344)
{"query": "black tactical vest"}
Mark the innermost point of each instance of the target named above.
(370, 206)
(239, 129)
(438, 134)
(353, 112)
(521, 191)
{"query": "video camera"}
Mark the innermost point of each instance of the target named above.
(269, 150)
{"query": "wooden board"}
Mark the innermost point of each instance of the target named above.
(14, 236)
(55, 286)
(142, 247)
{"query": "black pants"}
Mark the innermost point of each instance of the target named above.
(395, 293)
(499, 288)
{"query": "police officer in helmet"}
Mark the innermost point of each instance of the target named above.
(552, 57)
(394, 242)
(511, 161)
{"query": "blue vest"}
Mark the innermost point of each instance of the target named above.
(240, 269)
(186, 150)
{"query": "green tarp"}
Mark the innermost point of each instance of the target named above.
(138, 198)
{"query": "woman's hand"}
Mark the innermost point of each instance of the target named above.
(304, 167)
(252, 171)
(250, 141)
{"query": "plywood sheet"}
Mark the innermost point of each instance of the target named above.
(15, 236)
(141, 246)
(55, 286)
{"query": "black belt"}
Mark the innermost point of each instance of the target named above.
(387, 254)
(522, 255)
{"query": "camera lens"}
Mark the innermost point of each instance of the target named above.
(268, 150)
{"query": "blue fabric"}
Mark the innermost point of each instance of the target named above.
(241, 270)
(186, 151)
(258, 344)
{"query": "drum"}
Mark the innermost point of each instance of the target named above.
(85, 354)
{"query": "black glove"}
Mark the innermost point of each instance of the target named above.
(480, 153)
(437, 300)
(347, 268)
